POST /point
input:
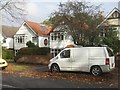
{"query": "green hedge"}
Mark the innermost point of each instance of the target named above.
(32, 51)
(7, 54)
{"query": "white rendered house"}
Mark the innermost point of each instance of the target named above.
(31, 31)
(112, 20)
(59, 39)
(7, 36)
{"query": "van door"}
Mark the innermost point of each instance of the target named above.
(64, 60)
(80, 59)
(111, 58)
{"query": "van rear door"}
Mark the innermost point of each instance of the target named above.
(111, 58)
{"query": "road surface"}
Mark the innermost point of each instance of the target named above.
(27, 83)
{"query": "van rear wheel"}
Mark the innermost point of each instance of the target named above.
(96, 71)
(55, 68)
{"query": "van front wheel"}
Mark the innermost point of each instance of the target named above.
(96, 71)
(55, 68)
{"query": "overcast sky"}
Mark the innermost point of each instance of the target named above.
(40, 10)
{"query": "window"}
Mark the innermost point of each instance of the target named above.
(65, 54)
(52, 38)
(20, 39)
(116, 15)
(4, 40)
(110, 52)
(45, 42)
(55, 52)
(44, 28)
(62, 37)
(34, 39)
(57, 36)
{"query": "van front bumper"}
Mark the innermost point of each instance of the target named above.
(49, 66)
(3, 67)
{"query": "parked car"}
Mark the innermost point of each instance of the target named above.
(3, 64)
(87, 59)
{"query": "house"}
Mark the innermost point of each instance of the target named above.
(7, 36)
(34, 32)
(112, 21)
(60, 39)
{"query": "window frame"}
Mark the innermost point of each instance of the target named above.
(65, 54)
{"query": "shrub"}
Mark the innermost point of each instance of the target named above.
(30, 44)
(7, 54)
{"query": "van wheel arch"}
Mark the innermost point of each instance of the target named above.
(96, 70)
(55, 67)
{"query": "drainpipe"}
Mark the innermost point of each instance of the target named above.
(38, 41)
(14, 48)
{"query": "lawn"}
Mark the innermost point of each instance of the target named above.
(14, 67)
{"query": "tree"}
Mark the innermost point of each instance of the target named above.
(80, 20)
(12, 10)
(47, 22)
(31, 45)
(111, 39)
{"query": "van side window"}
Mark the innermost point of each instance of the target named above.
(65, 54)
(110, 52)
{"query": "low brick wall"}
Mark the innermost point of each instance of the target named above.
(35, 59)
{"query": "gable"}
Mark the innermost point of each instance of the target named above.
(25, 30)
(112, 19)
(114, 15)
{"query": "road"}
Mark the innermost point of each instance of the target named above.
(26, 83)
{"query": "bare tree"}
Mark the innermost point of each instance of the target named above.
(12, 10)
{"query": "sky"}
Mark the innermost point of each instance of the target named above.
(40, 10)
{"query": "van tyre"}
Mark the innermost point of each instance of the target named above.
(55, 68)
(96, 71)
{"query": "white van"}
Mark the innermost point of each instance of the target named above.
(87, 59)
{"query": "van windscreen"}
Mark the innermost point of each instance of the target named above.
(110, 52)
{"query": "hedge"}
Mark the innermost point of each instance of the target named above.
(7, 54)
(32, 51)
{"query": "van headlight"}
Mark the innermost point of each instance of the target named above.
(50, 61)
(2, 62)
